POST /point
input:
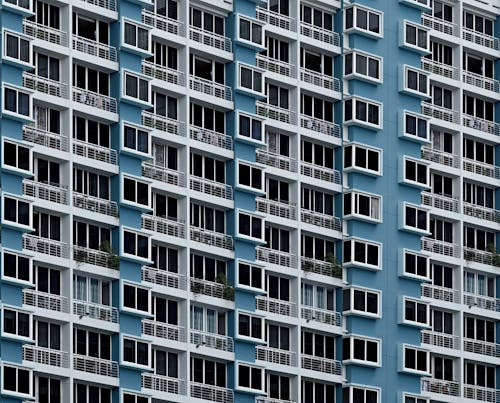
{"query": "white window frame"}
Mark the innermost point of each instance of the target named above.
(252, 117)
(352, 360)
(17, 115)
(250, 366)
(139, 77)
(416, 349)
(254, 70)
(416, 398)
(417, 208)
(17, 7)
(364, 388)
(134, 310)
(251, 215)
(249, 187)
(420, 4)
(251, 315)
(135, 340)
(17, 254)
(403, 265)
(252, 265)
(16, 168)
(366, 242)
(134, 394)
(353, 311)
(415, 137)
(15, 336)
(134, 203)
(364, 31)
(365, 77)
(415, 182)
(136, 233)
(404, 42)
(137, 25)
(405, 70)
(20, 37)
(250, 41)
(355, 208)
(30, 380)
(16, 224)
(355, 121)
(137, 128)
(367, 149)
(410, 322)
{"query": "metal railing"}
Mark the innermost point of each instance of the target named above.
(482, 347)
(45, 85)
(276, 306)
(45, 33)
(46, 356)
(440, 69)
(481, 393)
(275, 160)
(440, 247)
(440, 339)
(211, 392)
(276, 208)
(163, 23)
(276, 355)
(210, 289)
(320, 34)
(477, 80)
(275, 113)
(440, 293)
(95, 204)
(325, 268)
(45, 138)
(211, 187)
(320, 220)
(94, 48)
(320, 126)
(481, 168)
(319, 79)
(163, 225)
(276, 19)
(440, 157)
(210, 39)
(95, 152)
(275, 66)
(162, 73)
(97, 366)
(94, 100)
(482, 301)
(440, 386)
(211, 238)
(264, 399)
(319, 172)
(211, 137)
(440, 25)
(486, 126)
(163, 383)
(483, 213)
(439, 112)
(276, 257)
(440, 202)
(321, 315)
(45, 191)
(95, 311)
(210, 88)
(163, 123)
(163, 277)
(211, 340)
(164, 330)
(162, 174)
(107, 4)
(45, 246)
(44, 300)
(320, 364)
(480, 39)
(481, 256)
(94, 257)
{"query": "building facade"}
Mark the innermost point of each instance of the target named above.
(245, 201)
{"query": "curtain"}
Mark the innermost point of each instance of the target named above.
(197, 318)
(320, 297)
(94, 291)
(211, 321)
(307, 295)
(80, 289)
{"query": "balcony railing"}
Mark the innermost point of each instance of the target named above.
(320, 220)
(163, 23)
(440, 293)
(486, 126)
(481, 393)
(163, 383)
(482, 347)
(275, 160)
(276, 306)
(483, 213)
(440, 25)
(94, 48)
(163, 174)
(321, 315)
(87, 309)
(211, 137)
(45, 246)
(275, 112)
(163, 330)
(319, 172)
(211, 88)
(163, 123)
(97, 366)
(95, 100)
(210, 39)
(211, 392)
(264, 399)
(274, 256)
(107, 4)
(46, 356)
(45, 33)
(45, 138)
(441, 157)
(481, 168)
(276, 208)
(319, 79)
(440, 69)
(440, 247)
(320, 126)
(95, 257)
(276, 19)
(481, 256)
(276, 356)
(477, 80)
(211, 340)
(440, 202)
(95, 204)
(482, 301)
(440, 339)
(321, 364)
(163, 277)
(163, 225)
(439, 112)
(45, 191)
(211, 187)
(440, 386)
(162, 73)
(45, 85)
(44, 300)
(320, 34)
(481, 39)
(95, 152)
(325, 268)
(275, 66)
(211, 238)
(211, 289)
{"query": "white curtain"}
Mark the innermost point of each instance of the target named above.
(211, 320)
(80, 288)
(94, 291)
(307, 295)
(469, 283)
(197, 318)
(320, 297)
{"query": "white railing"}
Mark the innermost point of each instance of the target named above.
(211, 238)
(46, 246)
(481, 393)
(276, 355)
(211, 340)
(94, 100)
(95, 257)
(320, 220)
(321, 315)
(481, 168)
(162, 73)
(276, 208)
(163, 23)
(94, 48)
(319, 79)
(45, 33)
(440, 386)
(276, 19)
(86, 309)
(440, 339)
(440, 69)
(211, 137)
(440, 293)
(45, 138)
(263, 399)
(320, 126)
(163, 383)
(163, 330)
(482, 301)
(210, 39)
(319, 172)
(211, 187)
(481, 256)
(440, 247)
(483, 213)
(477, 80)
(45, 191)
(275, 66)
(210, 289)
(482, 347)
(276, 306)
(440, 202)
(440, 25)
(163, 225)
(440, 157)
(95, 152)
(320, 34)
(480, 39)
(163, 123)
(46, 356)
(95, 204)
(163, 277)
(275, 160)
(211, 392)
(210, 88)
(325, 268)
(163, 174)
(107, 4)
(274, 256)
(320, 364)
(45, 85)
(486, 126)
(97, 366)
(275, 113)
(44, 300)
(439, 112)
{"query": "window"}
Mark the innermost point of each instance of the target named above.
(16, 323)
(361, 350)
(17, 156)
(317, 392)
(206, 21)
(363, 19)
(360, 394)
(317, 296)
(89, 289)
(92, 80)
(415, 37)
(317, 154)
(415, 360)
(90, 236)
(136, 87)
(16, 267)
(17, 48)
(84, 393)
(363, 205)
(133, 398)
(415, 264)
(135, 191)
(208, 372)
(361, 301)
(17, 101)
(250, 225)
(250, 176)
(250, 31)
(316, 17)
(250, 326)
(359, 252)
(412, 398)
(90, 131)
(135, 352)
(24, 4)
(250, 275)
(416, 81)
(135, 139)
(16, 211)
(208, 168)
(136, 244)
(91, 344)
(416, 218)
(136, 35)
(250, 78)
(361, 157)
(250, 377)
(278, 386)
(416, 126)
(17, 381)
(415, 312)
(250, 127)
(364, 65)
(136, 298)
(363, 112)
(48, 390)
(416, 173)
(479, 23)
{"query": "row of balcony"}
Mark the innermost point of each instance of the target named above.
(454, 342)
(453, 388)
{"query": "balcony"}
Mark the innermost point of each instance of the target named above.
(440, 386)
(440, 113)
(276, 356)
(45, 246)
(95, 100)
(95, 204)
(163, 174)
(45, 356)
(320, 126)
(440, 247)
(276, 19)
(95, 152)
(211, 340)
(107, 4)
(95, 257)
(45, 85)
(163, 225)
(162, 383)
(483, 125)
(479, 81)
(263, 399)
(211, 39)
(94, 48)
(319, 34)
(482, 347)
(162, 73)
(482, 301)
(440, 25)
(95, 311)
(481, 168)
(275, 66)
(321, 315)
(440, 69)
(481, 393)
(310, 265)
(210, 392)
(211, 88)
(211, 137)
(441, 157)
(45, 138)
(276, 257)
(320, 173)
(43, 300)
(439, 339)
(320, 220)
(211, 238)
(320, 364)
(440, 202)
(163, 330)
(96, 366)
(211, 187)
(45, 33)
(45, 191)
(275, 113)
(480, 39)
(163, 23)
(320, 80)
(276, 160)
(276, 208)
(483, 213)
(440, 293)
(211, 289)
(481, 256)
(276, 306)
(163, 123)
(163, 278)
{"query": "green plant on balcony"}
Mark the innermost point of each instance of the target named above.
(495, 258)
(112, 259)
(335, 266)
(228, 290)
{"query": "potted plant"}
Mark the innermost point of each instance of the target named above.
(112, 259)
(228, 291)
(335, 266)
